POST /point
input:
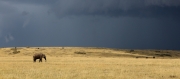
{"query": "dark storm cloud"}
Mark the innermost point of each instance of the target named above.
(24, 13)
(149, 24)
(35, 2)
(140, 8)
(6, 8)
(132, 8)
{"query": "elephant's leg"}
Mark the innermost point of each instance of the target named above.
(40, 60)
(34, 60)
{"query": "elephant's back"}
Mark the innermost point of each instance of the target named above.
(37, 54)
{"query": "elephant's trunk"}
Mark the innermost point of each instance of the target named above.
(45, 58)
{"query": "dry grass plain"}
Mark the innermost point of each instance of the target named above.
(89, 63)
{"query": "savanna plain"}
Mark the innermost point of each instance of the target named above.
(89, 63)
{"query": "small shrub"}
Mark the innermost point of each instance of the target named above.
(131, 51)
(164, 54)
(79, 52)
(157, 51)
(15, 51)
(172, 76)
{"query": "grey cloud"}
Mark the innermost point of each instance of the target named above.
(114, 7)
(25, 13)
(0, 33)
(163, 2)
(27, 19)
(26, 22)
(6, 8)
(33, 2)
(99, 23)
(87, 7)
(9, 38)
(14, 16)
(137, 8)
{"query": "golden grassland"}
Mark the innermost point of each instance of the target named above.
(89, 63)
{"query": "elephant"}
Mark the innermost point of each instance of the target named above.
(39, 56)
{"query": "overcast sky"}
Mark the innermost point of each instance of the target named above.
(130, 24)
